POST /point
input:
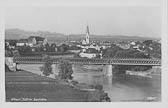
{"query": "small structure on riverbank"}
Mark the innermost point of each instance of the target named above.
(9, 63)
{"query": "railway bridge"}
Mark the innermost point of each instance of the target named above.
(107, 62)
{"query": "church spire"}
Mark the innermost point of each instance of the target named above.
(87, 34)
(87, 29)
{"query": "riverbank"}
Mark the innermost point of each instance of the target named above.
(26, 86)
(23, 86)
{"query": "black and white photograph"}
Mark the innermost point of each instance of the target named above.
(83, 53)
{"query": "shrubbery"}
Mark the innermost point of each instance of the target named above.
(65, 70)
(98, 87)
(117, 52)
(123, 68)
(47, 66)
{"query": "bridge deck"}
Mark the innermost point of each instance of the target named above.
(116, 61)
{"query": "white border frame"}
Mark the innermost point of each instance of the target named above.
(16, 3)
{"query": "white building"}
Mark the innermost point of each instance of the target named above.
(87, 55)
(133, 43)
(22, 42)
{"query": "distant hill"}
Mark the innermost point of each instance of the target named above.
(22, 34)
(57, 37)
(111, 38)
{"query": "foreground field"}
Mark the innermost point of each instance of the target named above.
(26, 86)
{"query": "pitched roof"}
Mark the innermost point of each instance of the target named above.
(23, 41)
(38, 38)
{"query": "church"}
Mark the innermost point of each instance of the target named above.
(86, 40)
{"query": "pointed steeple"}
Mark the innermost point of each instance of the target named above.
(87, 29)
(87, 34)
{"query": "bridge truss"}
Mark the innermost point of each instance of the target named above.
(112, 61)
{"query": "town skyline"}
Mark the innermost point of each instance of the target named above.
(53, 36)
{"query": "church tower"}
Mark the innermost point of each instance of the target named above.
(87, 35)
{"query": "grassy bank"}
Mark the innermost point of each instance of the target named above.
(28, 87)
(49, 92)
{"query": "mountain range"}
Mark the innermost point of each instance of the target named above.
(57, 37)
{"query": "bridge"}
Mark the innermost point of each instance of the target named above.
(112, 61)
(107, 62)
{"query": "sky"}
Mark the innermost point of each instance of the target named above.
(102, 20)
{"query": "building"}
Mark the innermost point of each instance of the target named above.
(87, 55)
(37, 40)
(32, 41)
(86, 41)
(22, 42)
(87, 35)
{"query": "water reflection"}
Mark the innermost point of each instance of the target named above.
(122, 87)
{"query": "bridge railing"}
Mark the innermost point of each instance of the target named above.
(90, 61)
(135, 61)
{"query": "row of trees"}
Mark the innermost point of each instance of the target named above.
(153, 48)
(117, 52)
(46, 48)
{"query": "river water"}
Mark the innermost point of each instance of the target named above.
(119, 87)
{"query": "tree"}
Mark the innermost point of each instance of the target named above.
(7, 68)
(24, 49)
(47, 66)
(156, 52)
(65, 70)
(111, 52)
(148, 42)
(6, 46)
(16, 53)
(12, 42)
(8, 53)
(130, 53)
(63, 48)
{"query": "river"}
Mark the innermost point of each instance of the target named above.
(120, 87)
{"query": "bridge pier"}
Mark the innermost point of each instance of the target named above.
(16, 66)
(107, 70)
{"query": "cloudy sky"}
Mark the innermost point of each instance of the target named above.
(102, 20)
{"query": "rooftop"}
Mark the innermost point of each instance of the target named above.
(38, 38)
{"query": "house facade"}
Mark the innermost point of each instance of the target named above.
(22, 42)
(37, 40)
(32, 41)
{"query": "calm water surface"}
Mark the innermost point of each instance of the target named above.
(119, 87)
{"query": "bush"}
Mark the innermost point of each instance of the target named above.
(47, 66)
(7, 68)
(65, 70)
(105, 98)
(94, 96)
(74, 82)
(99, 87)
(8, 53)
